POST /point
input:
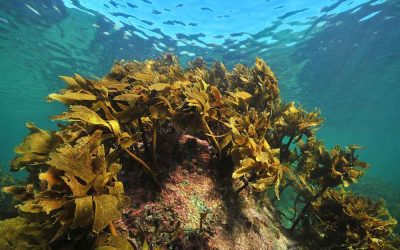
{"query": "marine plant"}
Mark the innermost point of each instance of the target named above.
(6, 179)
(112, 123)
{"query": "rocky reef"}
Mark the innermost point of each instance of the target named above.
(197, 207)
(154, 156)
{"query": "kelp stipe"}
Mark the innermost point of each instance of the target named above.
(74, 194)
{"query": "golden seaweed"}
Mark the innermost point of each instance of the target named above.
(272, 145)
(34, 149)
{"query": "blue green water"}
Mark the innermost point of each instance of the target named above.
(340, 56)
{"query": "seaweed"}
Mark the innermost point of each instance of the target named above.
(345, 220)
(6, 208)
(74, 194)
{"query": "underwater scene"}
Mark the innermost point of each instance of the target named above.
(149, 124)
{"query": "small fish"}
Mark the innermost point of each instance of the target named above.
(3, 20)
(54, 7)
(32, 9)
(205, 8)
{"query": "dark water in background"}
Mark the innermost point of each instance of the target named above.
(341, 56)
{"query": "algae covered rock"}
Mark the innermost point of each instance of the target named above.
(197, 207)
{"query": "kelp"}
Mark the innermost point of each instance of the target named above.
(6, 206)
(349, 221)
(110, 242)
(19, 233)
(113, 123)
(79, 189)
(34, 149)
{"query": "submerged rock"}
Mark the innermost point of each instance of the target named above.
(197, 207)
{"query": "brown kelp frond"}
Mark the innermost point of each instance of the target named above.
(254, 157)
(112, 243)
(339, 166)
(292, 120)
(34, 149)
(350, 221)
(19, 233)
(115, 122)
(79, 189)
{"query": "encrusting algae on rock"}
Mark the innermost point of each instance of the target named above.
(154, 156)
